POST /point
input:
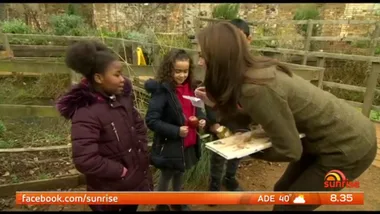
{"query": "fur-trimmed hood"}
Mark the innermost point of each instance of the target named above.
(81, 95)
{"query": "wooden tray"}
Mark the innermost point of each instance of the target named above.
(234, 147)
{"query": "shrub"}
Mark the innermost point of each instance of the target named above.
(226, 11)
(71, 25)
(15, 26)
(72, 9)
(307, 12)
(3, 129)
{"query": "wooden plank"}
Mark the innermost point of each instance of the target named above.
(338, 38)
(347, 87)
(344, 21)
(370, 91)
(42, 185)
(13, 111)
(300, 22)
(68, 146)
(38, 47)
(35, 149)
(9, 74)
(25, 66)
(28, 65)
(103, 39)
(304, 71)
(320, 54)
(316, 38)
(38, 50)
(321, 63)
(269, 38)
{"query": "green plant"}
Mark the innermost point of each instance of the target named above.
(15, 26)
(141, 38)
(71, 25)
(226, 11)
(137, 36)
(361, 44)
(197, 177)
(172, 41)
(306, 12)
(103, 32)
(377, 50)
(72, 9)
(3, 129)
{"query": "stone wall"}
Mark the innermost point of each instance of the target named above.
(124, 17)
(180, 17)
(360, 12)
(158, 17)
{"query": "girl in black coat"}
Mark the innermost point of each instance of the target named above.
(176, 144)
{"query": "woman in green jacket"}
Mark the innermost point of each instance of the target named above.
(338, 137)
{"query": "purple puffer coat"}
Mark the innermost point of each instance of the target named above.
(107, 134)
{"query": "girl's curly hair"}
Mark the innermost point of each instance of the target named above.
(165, 70)
(89, 57)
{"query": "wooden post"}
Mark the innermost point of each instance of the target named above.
(195, 55)
(125, 55)
(6, 44)
(372, 47)
(321, 63)
(156, 55)
(116, 45)
(197, 25)
(134, 54)
(373, 42)
(309, 33)
(370, 89)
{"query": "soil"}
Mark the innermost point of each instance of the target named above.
(253, 175)
(28, 166)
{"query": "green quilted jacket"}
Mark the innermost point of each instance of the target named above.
(336, 133)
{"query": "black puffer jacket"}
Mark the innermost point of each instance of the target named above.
(165, 117)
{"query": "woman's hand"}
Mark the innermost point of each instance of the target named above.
(200, 92)
(202, 123)
(214, 127)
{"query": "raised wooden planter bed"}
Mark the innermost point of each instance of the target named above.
(67, 182)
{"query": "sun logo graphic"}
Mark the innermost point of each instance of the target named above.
(337, 179)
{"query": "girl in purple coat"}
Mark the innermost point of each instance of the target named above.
(109, 137)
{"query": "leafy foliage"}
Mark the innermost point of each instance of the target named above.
(306, 12)
(72, 9)
(71, 25)
(15, 26)
(3, 129)
(226, 11)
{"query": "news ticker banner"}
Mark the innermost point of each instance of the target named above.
(219, 198)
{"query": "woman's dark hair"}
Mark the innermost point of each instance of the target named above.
(165, 70)
(227, 57)
(89, 58)
(242, 25)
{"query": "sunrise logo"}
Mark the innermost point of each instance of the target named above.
(337, 179)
